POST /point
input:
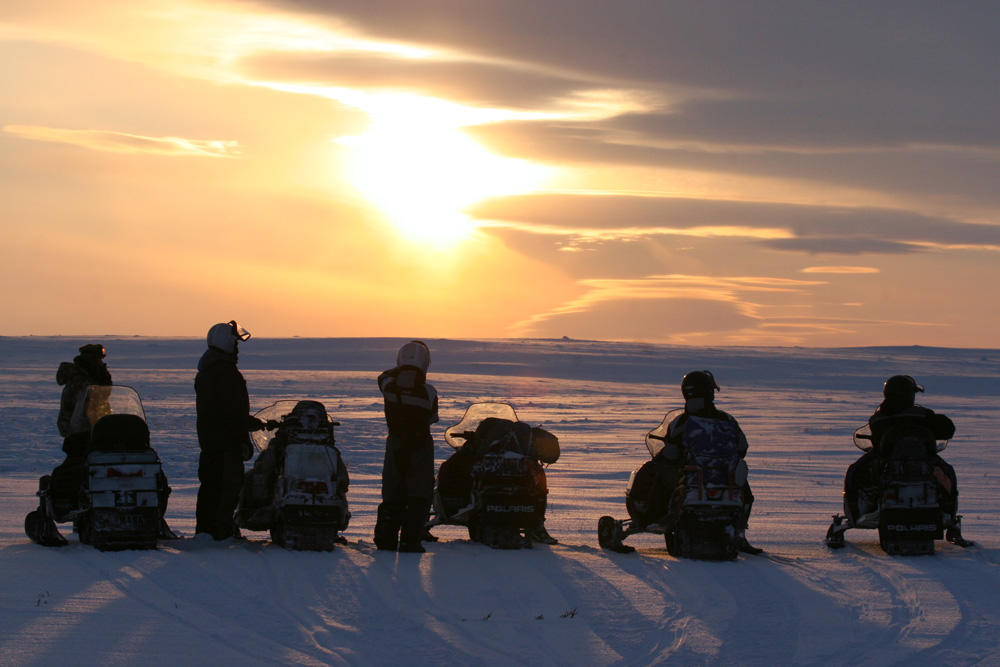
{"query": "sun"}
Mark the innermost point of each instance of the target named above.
(417, 165)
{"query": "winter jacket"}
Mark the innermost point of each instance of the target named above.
(223, 404)
(886, 417)
(411, 403)
(677, 428)
(74, 378)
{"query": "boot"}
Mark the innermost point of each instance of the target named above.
(164, 532)
(744, 546)
(386, 529)
(537, 533)
(954, 534)
(414, 525)
(41, 529)
(835, 533)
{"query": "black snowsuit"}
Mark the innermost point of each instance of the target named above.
(863, 476)
(649, 498)
(411, 406)
(224, 422)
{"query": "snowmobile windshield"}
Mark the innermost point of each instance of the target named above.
(102, 400)
(272, 413)
(863, 440)
(307, 419)
(656, 439)
(457, 435)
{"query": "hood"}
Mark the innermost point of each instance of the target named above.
(68, 372)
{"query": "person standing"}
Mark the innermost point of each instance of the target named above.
(411, 406)
(223, 423)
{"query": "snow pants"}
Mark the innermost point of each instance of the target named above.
(221, 476)
(407, 487)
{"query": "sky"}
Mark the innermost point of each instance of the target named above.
(697, 173)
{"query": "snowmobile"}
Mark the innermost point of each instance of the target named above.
(494, 483)
(905, 507)
(297, 487)
(112, 487)
(705, 512)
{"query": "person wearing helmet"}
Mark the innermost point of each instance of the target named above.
(223, 423)
(411, 406)
(648, 498)
(87, 368)
(64, 484)
(899, 407)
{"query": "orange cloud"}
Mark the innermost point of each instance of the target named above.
(840, 269)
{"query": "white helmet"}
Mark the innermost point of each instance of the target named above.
(225, 335)
(415, 353)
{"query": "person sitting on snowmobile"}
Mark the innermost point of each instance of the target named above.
(88, 368)
(74, 377)
(651, 497)
(898, 408)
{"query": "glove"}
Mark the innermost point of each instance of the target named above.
(254, 424)
(272, 424)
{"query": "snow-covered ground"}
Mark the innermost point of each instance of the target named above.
(250, 602)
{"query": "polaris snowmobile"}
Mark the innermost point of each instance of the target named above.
(112, 485)
(494, 483)
(297, 487)
(905, 507)
(705, 512)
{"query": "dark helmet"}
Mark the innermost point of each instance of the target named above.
(93, 350)
(699, 384)
(901, 389)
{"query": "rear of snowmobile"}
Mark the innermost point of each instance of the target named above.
(306, 504)
(705, 510)
(905, 509)
(118, 503)
(500, 500)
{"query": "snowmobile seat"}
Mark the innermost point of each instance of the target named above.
(119, 433)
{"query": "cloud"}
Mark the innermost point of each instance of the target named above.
(680, 303)
(779, 226)
(122, 142)
(476, 83)
(847, 270)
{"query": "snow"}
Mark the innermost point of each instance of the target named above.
(250, 602)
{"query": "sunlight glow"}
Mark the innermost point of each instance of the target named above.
(417, 166)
